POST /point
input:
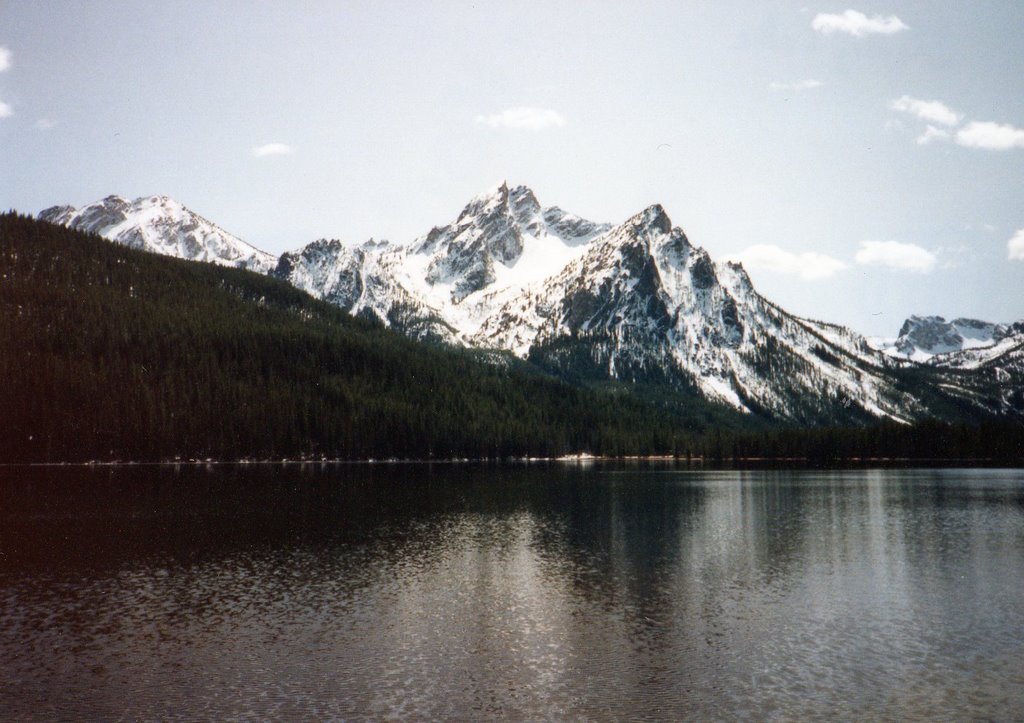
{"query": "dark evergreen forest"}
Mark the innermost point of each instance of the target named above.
(107, 353)
(110, 353)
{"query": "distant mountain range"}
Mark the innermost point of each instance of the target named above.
(635, 302)
(161, 225)
(960, 342)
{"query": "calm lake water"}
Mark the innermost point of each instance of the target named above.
(552, 591)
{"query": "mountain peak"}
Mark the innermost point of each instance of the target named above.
(160, 224)
(158, 200)
(923, 337)
(740, 279)
(915, 320)
(652, 218)
(493, 195)
(501, 195)
(634, 302)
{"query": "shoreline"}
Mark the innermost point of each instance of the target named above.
(584, 459)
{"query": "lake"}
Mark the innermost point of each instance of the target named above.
(543, 591)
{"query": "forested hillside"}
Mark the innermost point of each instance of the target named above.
(110, 353)
(107, 353)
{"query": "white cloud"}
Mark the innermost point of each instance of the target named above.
(807, 265)
(990, 136)
(534, 119)
(976, 134)
(272, 149)
(1015, 246)
(45, 124)
(857, 24)
(929, 110)
(798, 85)
(6, 111)
(931, 134)
(896, 255)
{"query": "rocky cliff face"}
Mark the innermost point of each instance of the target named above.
(637, 302)
(644, 304)
(923, 337)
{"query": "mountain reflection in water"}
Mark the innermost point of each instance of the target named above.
(418, 591)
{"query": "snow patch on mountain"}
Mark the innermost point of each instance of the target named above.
(161, 225)
(502, 242)
(1008, 345)
(925, 339)
(637, 302)
(643, 302)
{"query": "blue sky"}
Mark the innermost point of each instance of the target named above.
(865, 160)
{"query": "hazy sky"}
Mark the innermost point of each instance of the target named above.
(865, 160)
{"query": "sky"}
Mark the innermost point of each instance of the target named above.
(865, 160)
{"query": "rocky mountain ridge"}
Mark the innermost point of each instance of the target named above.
(161, 225)
(932, 339)
(636, 302)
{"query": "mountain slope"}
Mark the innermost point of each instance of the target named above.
(632, 303)
(501, 238)
(109, 353)
(977, 364)
(635, 303)
(922, 338)
(161, 225)
(445, 284)
(645, 304)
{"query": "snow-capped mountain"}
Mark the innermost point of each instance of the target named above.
(500, 239)
(923, 337)
(987, 377)
(972, 357)
(978, 364)
(644, 304)
(637, 302)
(633, 302)
(447, 283)
(161, 225)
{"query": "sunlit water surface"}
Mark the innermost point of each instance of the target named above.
(533, 592)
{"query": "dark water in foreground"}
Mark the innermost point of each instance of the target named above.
(541, 592)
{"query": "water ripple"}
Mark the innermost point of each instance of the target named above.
(532, 593)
